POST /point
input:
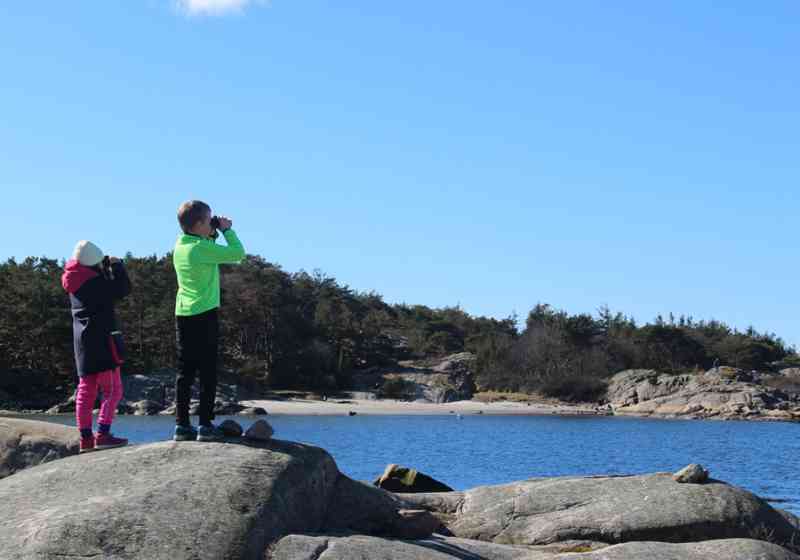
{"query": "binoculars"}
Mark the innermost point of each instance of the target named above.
(105, 267)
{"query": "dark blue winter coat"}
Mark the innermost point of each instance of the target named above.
(96, 336)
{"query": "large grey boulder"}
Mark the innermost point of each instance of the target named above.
(728, 549)
(189, 501)
(27, 443)
(307, 547)
(606, 509)
(279, 500)
(166, 500)
(361, 508)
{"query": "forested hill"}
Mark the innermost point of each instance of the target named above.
(301, 330)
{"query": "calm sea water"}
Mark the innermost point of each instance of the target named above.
(476, 450)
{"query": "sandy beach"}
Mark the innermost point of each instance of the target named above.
(335, 407)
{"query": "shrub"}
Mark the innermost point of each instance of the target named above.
(574, 388)
(396, 388)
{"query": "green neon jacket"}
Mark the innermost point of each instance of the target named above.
(196, 261)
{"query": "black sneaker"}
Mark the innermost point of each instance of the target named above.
(210, 433)
(185, 433)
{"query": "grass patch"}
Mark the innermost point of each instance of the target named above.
(502, 396)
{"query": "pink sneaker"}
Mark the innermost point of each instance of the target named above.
(87, 444)
(108, 441)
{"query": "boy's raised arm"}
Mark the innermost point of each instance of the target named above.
(211, 253)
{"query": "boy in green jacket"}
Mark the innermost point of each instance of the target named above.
(196, 259)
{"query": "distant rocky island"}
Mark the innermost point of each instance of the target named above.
(259, 498)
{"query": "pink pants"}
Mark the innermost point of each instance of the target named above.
(110, 385)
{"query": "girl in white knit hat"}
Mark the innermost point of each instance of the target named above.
(94, 282)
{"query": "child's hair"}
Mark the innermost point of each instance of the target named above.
(191, 212)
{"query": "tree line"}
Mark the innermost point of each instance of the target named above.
(307, 331)
(571, 356)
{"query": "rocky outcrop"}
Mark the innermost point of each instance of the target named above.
(68, 406)
(438, 380)
(725, 393)
(361, 508)
(606, 509)
(246, 499)
(187, 500)
(26, 443)
(147, 395)
(305, 547)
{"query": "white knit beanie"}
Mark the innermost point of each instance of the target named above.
(87, 253)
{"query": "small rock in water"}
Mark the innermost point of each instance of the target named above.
(146, 408)
(692, 474)
(397, 478)
(227, 407)
(123, 407)
(253, 411)
(260, 430)
(231, 428)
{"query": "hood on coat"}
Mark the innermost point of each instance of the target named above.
(75, 275)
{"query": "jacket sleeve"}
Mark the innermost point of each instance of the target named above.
(120, 286)
(211, 253)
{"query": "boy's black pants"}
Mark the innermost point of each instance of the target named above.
(197, 337)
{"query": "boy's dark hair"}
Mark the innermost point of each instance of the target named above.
(191, 212)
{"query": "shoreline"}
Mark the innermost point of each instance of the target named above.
(294, 406)
(390, 407)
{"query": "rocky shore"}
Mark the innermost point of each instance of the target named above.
(266, 499)
(722, 393)
(446, 385)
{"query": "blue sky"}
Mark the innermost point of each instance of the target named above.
(492, 155)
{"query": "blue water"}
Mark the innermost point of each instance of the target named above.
(476, 450)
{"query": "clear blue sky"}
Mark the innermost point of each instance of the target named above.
(489, 154)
